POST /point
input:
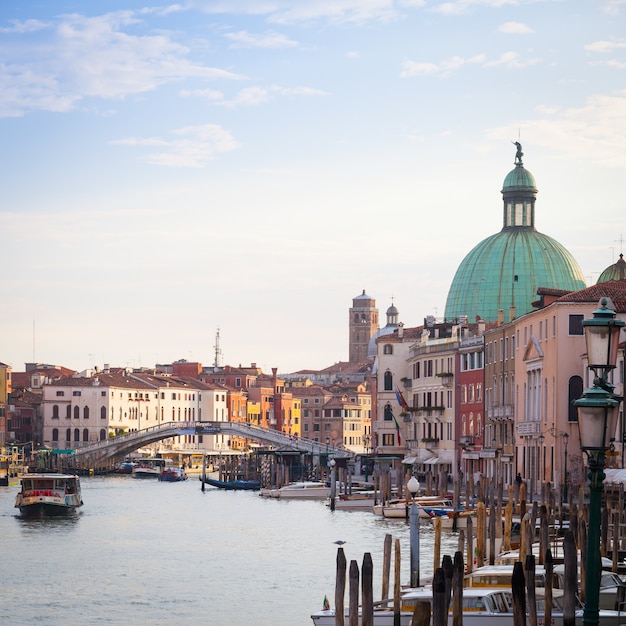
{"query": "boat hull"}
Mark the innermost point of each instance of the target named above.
(47, 509)
(48, 495)
(233, 485)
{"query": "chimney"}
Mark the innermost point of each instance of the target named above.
(500, 317)
(511, 313)
(401, 330)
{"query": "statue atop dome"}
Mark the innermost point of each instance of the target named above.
(519, 154)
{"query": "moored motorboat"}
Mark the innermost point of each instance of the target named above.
(43, 495)
(302, 490)
(482, 606)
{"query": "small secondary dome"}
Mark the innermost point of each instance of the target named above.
(504, 271)
(617, 271)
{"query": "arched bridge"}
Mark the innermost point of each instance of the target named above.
(99, 453)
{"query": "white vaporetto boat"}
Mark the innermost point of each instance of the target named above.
(43, 495)
(302, 490)
(481, 607)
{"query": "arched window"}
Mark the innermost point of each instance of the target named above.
(86, 412)
(68, 434)
(76, 434)
(76, 412)
(388, 381)
(575, 390)
(55, 411)
(85, 434)
(388, 413)
(68, 412)
(103, 413)
(356, 318)
(55, 434)
(103, 434)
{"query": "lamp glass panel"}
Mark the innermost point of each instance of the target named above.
(602, 345)
(597, 425)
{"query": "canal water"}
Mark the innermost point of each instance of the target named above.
(147, 552)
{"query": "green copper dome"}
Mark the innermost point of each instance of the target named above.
(617, 271)
(506, 269)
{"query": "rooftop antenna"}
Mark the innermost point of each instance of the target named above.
(218, 350)
(621, 243)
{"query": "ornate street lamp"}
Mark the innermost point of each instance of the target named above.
(597, 423)
(565, 440)
(413, 486)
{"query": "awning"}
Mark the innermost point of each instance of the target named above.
(409, 460)
(432, 461)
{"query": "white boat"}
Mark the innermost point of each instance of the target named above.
(501, 576)
(481, 607)
(302, 490)
(149, 468)
(427, 506)
(43, 495)
(358, 501)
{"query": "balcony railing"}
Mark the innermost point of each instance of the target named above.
(466, 440)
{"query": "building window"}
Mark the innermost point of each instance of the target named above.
(103, 434)
(76, 412)
(103, 413)
(68, 434)
(55, 411)
(463, 394)
(76, 435)
(388, 349)
(55, 434)
(575, 391)
(388, 439)
(388, 381)
(76, 393)
(68, 413)
(60, 393)
(86, 413)
(576, 325)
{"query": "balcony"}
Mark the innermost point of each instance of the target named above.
(529, 429)
(447, 378)
(503, 412)
(466, 440)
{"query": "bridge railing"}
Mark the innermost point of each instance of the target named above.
(242, 429)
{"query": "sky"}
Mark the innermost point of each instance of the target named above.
(251, 166)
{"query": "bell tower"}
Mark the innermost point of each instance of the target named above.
(363, 324)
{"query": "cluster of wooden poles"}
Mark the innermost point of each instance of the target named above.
(447, 589)
(447, 582)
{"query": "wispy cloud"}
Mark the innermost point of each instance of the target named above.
(605, 47)
(447, 67)
(244, 39)
(192, 146)
(465, 6)
(252, 96)
(289, 12)
(443, 68)
(592, 132)
(515, 28)
(76, 57)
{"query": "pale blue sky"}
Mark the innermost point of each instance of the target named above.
(253, 165)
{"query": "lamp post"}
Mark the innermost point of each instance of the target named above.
(565, 440)
(539, 460)
(413, 486)
(597, 422)
(333, 483)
